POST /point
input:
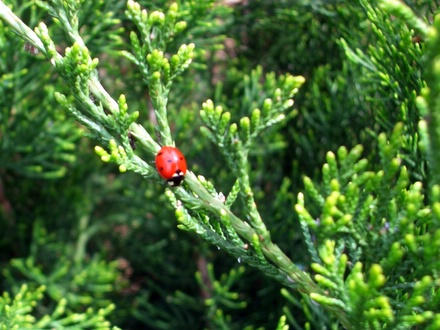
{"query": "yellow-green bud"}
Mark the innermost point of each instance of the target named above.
(122, 102)
(95, 62)
(156, 17)
(180, 26)
(267, 107)
(255, 118)
(217, 113)
(245, 123)
(233, 129)
(100, 151)
(376, 278)
(173, 10)
(105, 158)
(122, 168)
(155, 75)
(334, 186)
(288, 104)
(324, 281)
(208, 106)
(224, 120)
(134, 116)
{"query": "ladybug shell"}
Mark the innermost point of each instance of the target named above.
(171, 165)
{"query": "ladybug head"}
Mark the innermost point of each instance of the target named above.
(176, 179)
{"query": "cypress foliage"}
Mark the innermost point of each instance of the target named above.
(310, 130)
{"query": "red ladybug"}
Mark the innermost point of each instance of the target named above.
(171, 165)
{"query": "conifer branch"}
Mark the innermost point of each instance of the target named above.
(366, 225)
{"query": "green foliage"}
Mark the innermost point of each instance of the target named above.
(377, 222)
(26, 151)
(349, 244)
(72, 277)
(16, 313)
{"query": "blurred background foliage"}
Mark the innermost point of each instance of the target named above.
(94, 236)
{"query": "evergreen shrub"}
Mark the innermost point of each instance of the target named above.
(311, 131)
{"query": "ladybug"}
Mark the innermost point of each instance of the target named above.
(171, 165)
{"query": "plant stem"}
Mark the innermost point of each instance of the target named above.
(20, 28)
(271, 251)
